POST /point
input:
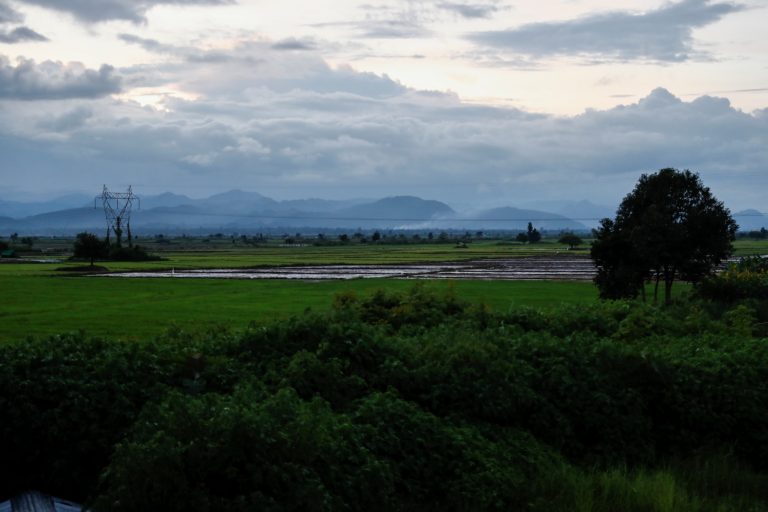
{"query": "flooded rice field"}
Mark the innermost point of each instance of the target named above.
(579, 269)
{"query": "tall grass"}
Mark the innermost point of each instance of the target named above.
(714, 484)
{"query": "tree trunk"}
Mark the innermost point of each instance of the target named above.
(656, 288)
(669, 278)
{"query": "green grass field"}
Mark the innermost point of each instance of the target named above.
(39, 304)
(38, 300)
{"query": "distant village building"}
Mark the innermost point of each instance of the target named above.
(8, 253)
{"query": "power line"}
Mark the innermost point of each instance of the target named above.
(403, 219)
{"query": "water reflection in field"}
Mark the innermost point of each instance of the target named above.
(580, 269)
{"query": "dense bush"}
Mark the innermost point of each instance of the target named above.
(133, 253)
(406, 401)
(65, 401)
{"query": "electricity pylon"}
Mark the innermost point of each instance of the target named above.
(117, 210)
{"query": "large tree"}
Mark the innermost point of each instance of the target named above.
(669, 227)
(89, 247)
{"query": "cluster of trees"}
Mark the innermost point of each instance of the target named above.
(410, 401)
(669, 227)
(761, 234)
(531, 236)
(90, 247)
(15, 240)
(379, 238)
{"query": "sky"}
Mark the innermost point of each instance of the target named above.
(474, 103)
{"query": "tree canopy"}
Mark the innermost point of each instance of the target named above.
(89, 247)
(570, 239)
(669, 227)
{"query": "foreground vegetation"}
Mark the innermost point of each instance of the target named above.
(402, 401)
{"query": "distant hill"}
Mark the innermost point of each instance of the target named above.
(237, 202)
(16, 209)
(750, 220)
(583, 211)
(315, 205)
(512, 219)
(166, 199)
(405, 208)
(240, 211)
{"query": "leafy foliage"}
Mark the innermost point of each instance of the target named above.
(89, 247)
(670, 227)
(570, 240)
(406, 401)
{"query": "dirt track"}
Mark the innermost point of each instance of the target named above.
(568, 268)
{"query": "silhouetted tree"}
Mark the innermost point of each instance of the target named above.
(570, 240)
(669, 227)
(521, 237)
(533, 234)
(88, 246)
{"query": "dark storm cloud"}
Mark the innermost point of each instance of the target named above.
(28, 80)
(104, 10)
(19, 35)
(663, 35)
(470, 10)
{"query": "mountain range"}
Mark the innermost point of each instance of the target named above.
(245, 212)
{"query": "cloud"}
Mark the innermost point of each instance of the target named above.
(254, 65)
(398, 20)
(661, 35)
(394, 28)
(28, 80)
(92, 11)
(21, 34)
(151, 45)
(9, 15)
(293, 44)
(68, 121)
(470, 10)
(288, 121)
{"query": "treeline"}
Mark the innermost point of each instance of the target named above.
(411, 401)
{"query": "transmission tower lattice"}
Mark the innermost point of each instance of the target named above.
(117, 210)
